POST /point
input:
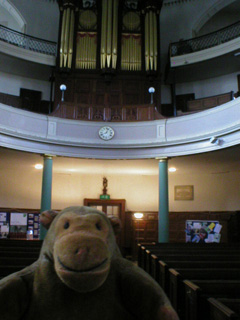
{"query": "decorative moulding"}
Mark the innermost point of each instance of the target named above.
(25, 54)
(206, 54)
(23, 130)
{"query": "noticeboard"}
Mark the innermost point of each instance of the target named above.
(203, 231)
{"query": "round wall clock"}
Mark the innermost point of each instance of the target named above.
(106, 133)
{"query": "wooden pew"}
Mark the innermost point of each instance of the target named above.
(151, 259)
(177, 276)
(220, 309)
(19, 254)
(163, 268)
(9, 269)
(14, 261)
(197, 293)
(142, 252)
(159, 248)
(233, 304)
(20, 243)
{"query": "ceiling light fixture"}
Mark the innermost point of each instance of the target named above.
(172, 169)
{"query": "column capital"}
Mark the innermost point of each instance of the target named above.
(163, 159)
(48, 156)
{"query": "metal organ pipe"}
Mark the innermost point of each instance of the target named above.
(151, 50)
(109, 34)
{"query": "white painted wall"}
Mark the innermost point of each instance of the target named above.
(8, 21)
(212, 192)
(11, 84)
(184, 20)
(42, 17)
(209, 87)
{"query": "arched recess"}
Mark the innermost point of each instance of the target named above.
(14, 17)
(209, 13)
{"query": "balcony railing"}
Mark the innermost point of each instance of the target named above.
(204, 42)
(27, 42)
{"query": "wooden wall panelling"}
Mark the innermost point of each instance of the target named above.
(146, 230)
(83, 91)
(10, 100)
(209, 102)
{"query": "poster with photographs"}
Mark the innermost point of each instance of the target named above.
(4, 230)
(202, 231)
(33, 226)
(3, 216)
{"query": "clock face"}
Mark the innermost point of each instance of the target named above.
(106, 133)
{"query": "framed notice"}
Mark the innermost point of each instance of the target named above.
(18, 219)
(183, 193)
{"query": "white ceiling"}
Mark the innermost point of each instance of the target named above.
(222, 161)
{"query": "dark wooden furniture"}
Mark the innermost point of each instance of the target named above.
(17, 254)
(193, 275)
(114, 207)
(220, 309)
(209, 102)
(177, 276)
(198, 291)
(102, 113)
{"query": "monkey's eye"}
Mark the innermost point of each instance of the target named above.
(98, 226)
(66, 225)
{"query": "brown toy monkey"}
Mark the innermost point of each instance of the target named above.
(81, 275)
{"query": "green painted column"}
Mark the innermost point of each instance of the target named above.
(163, 214)
(46, 199)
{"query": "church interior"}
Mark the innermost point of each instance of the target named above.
(131, 108)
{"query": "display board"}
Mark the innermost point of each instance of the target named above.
(203, 231)
(33, 226)
(4, 224)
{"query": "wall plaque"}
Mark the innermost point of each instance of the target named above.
(183, 193)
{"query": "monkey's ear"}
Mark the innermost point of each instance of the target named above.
(47, 217)
(116, 224)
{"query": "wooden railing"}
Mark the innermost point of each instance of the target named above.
(209, 102)
(204, 42)
(115, 113)
(100, 113)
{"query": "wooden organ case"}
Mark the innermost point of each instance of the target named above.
(108, 56)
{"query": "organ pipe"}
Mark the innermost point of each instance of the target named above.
(67, 36)
(147, 41)
(115, 28)
(131, 52)
(104, 36)
(109, 33)
(151, 52)
(70, 50)
(62, 38)
(86, 50)
(155, 51)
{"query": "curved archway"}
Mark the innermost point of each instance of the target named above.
(209, 13)
(12, 16)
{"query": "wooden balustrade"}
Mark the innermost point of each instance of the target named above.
(209, 102)
(68, 110)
